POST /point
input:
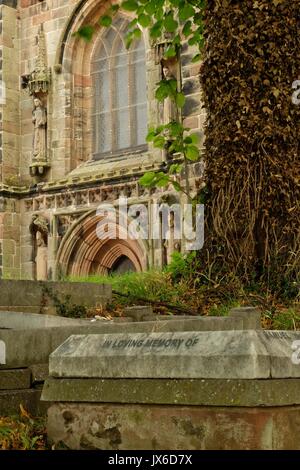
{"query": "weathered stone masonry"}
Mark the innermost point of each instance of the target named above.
(66, 190)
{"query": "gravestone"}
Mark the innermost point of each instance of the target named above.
(226, 389)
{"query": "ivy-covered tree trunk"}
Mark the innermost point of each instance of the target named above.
(251, 59)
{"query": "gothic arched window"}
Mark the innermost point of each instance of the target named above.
(119, 84)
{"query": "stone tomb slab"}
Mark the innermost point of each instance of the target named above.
(212, 354)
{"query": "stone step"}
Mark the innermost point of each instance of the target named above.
(15, 379)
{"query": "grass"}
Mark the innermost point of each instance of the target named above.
(160, 286)
(151, 285)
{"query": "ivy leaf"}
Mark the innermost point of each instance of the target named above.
(162, 180)
(144, 20)
(147, 178)
(186, 12)
(176, 186)
(196, 58)
(175, 128)
(151, 134)
(105, 21)
(180, 100)
(187, 29)
(129, 39)
(159, 142)
(192, 153)
(137, 33)
(130, 5)
(156, 30)
(194, 138)
(175, 168)
(170, 52)
(163, 90)
(170, 24)
(85, 32)
(150, 7)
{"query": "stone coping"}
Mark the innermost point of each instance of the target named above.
(202, 392)
(239, 354)
(34, 293)
(30, 338)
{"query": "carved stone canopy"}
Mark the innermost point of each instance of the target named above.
(40, 79)
(39, 224)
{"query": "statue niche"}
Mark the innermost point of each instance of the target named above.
(38, 83)
(39, 229)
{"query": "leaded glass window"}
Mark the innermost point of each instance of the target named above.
(119, 98)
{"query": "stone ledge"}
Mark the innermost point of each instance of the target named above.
(201, 392)
(10, 401)
(15, 379)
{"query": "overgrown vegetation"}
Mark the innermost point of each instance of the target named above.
(250, 59)
(179, 285)
(63, 305)
(252, 141)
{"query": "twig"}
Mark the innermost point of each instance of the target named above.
(181, 310)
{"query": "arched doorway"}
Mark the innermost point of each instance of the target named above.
(83, 253)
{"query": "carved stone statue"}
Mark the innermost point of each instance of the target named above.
(41, 259)
(39, 229)
(39, 119)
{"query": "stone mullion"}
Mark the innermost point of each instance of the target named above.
(113, 124)
(131, 111)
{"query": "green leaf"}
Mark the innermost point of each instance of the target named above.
(162, 181)
(187, 29)
(173, 84)
(85, 32)
(175, 128)
(192, 153)
(163, 90)
(159, 142)
(114, 8)
(196, 58)
(150, 7)
(137, 33)
(195, 138)
(175, 168)
(191, 139)
(105, 21)
(186, 12)
(159, 14)
(144, 20)
(151, 134)
(170, 24)
(170, 52)
(132, 23)
(147, 178)
(130, 5)
(129, 39)
(156, 30)
(176, 186)
(180, 100)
